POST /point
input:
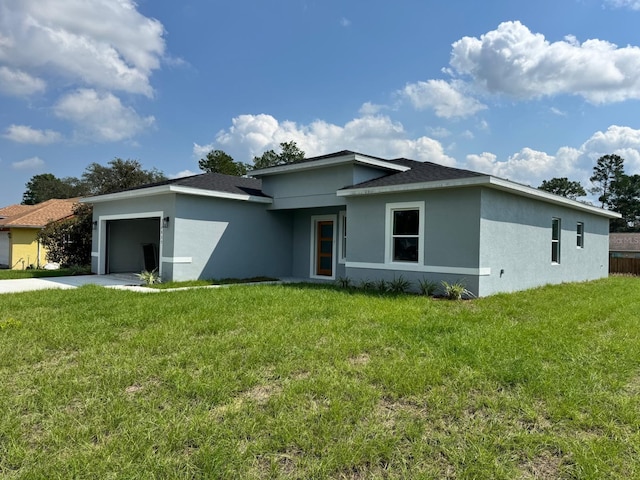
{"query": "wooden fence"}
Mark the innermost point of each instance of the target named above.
(624, 265)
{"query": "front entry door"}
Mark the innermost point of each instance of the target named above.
(324, 248)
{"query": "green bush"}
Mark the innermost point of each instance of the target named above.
(456, 290)
(427, 287)
(398, 285)
(149, 277)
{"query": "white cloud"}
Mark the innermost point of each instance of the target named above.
(26, 134)
(438, 132)
(369, 108)
(251, 135)
(557, 111)
(185, 173)
(32, 163)
(345, 22)
(96, 43)
(514, 61)
(531, 167)
(101, 116)
(630, 4)
(445, 98)
(18, 83)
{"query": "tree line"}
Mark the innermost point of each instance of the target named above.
(121, 174)
(616, 191)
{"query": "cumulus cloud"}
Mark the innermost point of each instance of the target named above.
(251, 135)
(185, 173)
(96, 43)
(26, 134)
(32, 163)
(530, 166)
(101, 116)
(18, 83)
(445, 98)
(514, 61)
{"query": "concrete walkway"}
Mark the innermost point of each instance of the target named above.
(30, 284)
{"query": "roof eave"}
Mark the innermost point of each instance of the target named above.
(479, 181)
(329, 162)
(168, 189)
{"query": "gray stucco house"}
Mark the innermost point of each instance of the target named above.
(352, 215)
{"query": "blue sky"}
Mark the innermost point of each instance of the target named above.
(522, 90)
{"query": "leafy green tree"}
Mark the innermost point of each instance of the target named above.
(118, 175)
(47, 186)
(218, 161)
(289, 153)
(625, 199)
(563, 186)
(68, 241)
(608, 169)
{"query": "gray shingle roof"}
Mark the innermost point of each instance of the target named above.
(341, 153)
(419, 172)
(216, 182)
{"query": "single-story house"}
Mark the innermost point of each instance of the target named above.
(19, 228)
(355, 216)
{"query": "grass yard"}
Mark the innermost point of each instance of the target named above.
(41, 273)
(277, 381)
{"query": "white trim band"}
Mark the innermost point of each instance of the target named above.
(177, 259)
(408, 267)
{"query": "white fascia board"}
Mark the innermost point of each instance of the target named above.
(481, 181)
(166, 189)
(353, 158)
(525, 191)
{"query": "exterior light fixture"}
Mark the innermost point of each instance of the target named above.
(95, 224)
(165, 222)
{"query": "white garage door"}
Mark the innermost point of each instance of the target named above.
(4, 248)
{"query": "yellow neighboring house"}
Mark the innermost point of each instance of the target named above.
(19, 227)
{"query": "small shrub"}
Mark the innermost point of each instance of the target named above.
(78, 270)
(455, 291)
(149, 277)
(367, 284)
(427, 287)
(381, 285)
(344, 282)
(398, 285)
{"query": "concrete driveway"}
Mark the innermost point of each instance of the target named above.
(30, 284)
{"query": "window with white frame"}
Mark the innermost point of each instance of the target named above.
(342, 247)
(555, 240)
(580, 235)
(405, 232)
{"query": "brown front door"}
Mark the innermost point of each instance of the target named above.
(324, 248)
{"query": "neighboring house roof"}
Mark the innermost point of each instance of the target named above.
(13, 210)
(205, 184)
(36, 216)
(624, 242)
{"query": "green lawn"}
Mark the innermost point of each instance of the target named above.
(276, 381)
(40, 273)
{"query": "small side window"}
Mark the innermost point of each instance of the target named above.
(580, 235)
(555, 240)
